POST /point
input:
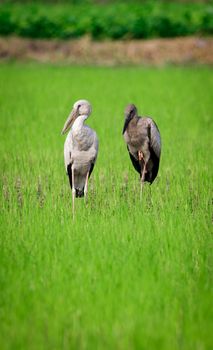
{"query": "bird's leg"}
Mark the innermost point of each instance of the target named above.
(143, 165)
(73, 195)
(150, 197)
(86, 187)
(142, 179)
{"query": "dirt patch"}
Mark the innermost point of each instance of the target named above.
(190, 50)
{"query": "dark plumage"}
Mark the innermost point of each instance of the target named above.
(143, 143)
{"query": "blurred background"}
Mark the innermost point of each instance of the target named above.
(75, 27)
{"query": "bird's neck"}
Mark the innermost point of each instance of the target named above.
(129, 123)
(79, 122)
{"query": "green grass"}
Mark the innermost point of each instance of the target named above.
(125, 274)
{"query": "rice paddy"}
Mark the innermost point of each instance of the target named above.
(125, 274)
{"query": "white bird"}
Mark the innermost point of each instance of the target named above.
(80, 149)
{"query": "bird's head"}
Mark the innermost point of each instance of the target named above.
(81, 107)
(129, 113)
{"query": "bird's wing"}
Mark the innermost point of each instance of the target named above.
(96, 143)
(67, 150)
(134, 161)
(69, 173)
(154, 137)
(95, 146)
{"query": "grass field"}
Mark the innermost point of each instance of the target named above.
(125, 274)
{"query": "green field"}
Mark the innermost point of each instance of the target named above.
(124, 274)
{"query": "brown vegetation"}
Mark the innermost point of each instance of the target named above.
(189, 50)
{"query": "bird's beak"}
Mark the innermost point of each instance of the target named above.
(127, 120)
(70, 120)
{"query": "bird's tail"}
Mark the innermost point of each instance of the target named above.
(79, 192)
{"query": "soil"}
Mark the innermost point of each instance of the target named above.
(189, 50)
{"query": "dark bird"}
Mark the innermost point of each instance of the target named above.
(143, 144)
